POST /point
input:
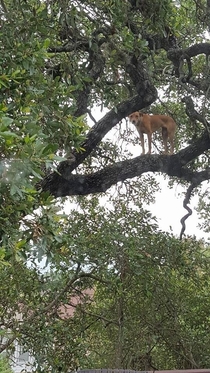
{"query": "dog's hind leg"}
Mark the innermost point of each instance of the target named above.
(165, 139)
(171, 141)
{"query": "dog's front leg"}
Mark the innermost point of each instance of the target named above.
(149, 136)
(142, 142)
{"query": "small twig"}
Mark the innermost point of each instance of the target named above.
(91, 117)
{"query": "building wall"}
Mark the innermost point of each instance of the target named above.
(21, 361)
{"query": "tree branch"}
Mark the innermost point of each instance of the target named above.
(178, 55)
(102, 180)
(189, 210)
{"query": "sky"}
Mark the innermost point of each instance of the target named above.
(169, 210)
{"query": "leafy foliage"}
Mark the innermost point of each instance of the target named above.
(73, 193)
(4, 366)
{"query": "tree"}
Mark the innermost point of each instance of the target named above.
(151, 311)
(59, 61)
(150, 306)
(116, 55)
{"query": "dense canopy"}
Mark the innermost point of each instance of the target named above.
(74, 186)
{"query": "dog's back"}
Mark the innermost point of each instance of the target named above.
(163, 121)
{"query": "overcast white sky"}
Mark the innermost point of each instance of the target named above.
(169, 210)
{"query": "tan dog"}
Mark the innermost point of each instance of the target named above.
(150, 123)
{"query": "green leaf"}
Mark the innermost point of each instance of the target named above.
(6, 121)
(8, 134)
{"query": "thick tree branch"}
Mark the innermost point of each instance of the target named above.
(175, 54)
(102, 180)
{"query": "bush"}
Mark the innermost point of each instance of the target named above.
(4, 365)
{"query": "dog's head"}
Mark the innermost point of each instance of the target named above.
(135, 117)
